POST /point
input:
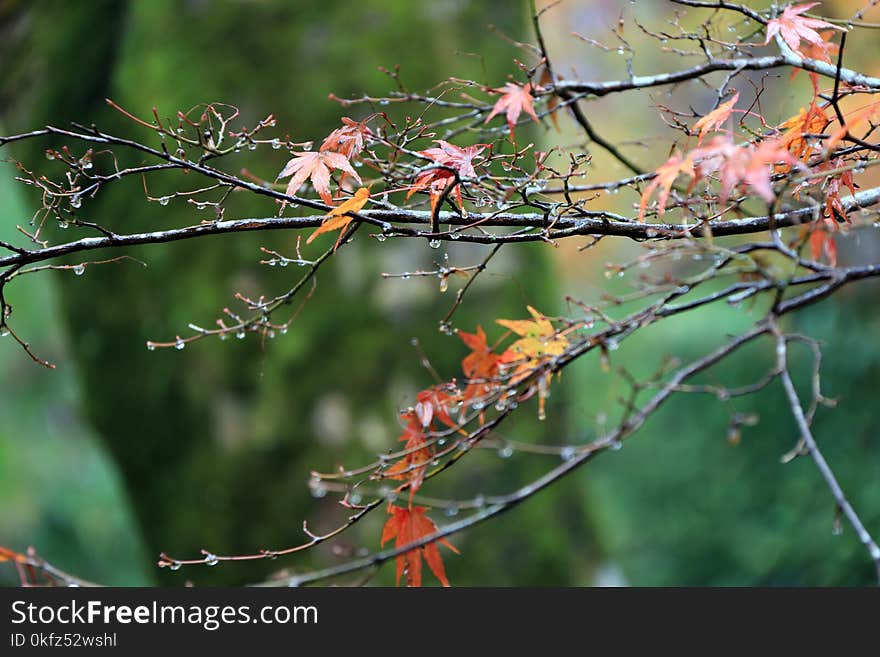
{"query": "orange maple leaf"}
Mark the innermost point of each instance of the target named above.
(793, 28)
(11, 555)
(812, 121)
(822, 241)
(414, 464)
(317, 167)
(339, 217)
(714, 119)
(437, 180)
(481, 366)
(665, 178)
(407, 525)
(514, 100)
(349, 139)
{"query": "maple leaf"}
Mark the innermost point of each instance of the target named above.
(339, 217)
(10, 555)
(538, 343)
(435, 403)
(481, 366)
(349, 139)
(811, 120)
(822, 241)
(407, 525)
(437, 180)
(414, 464)
(514, 101)
(747, 165)
(665, 178)
(317, 167)
(793, 28)
(714, 119)
(812, 51)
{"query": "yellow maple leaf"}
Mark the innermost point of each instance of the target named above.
(339, 217)
(538, 343)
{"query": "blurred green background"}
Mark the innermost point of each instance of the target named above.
(122, 453)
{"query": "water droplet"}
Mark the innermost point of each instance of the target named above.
(252, 146)
(384, 101)
(272, 262)
(180, 344)
(505, 452)
(211, 559)
(75, 201)
(358, 164)
(276, 144)
(307, 146)
(434, 244)
(445, 328)
(355, 498)
(454, 236)
(479, 500)
(4, 332)
(567, 453)
(200, 206)
(151, 346)
(621, 51)
(381, 237)
(616, 446)
(63, 224)
(612, 345)
(85, 164)
(50, 154)
(240, 334)
(477, 405)
(79, 270)
(451, 511)
(174, 565)
(164, 200)
(282, 263)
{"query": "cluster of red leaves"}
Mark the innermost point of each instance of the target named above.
(340, 146)
(736, 166)
(483, 369)
(456, 163)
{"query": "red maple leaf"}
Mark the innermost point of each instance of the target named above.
(747, 165)
(316, 167)
(514, 101)
(408, 525)
(454, 157)
(435, 402)
(793, 28)
(481, 366)
(414, 464)
(349, 139)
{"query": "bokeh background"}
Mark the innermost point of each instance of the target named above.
(122, 453)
